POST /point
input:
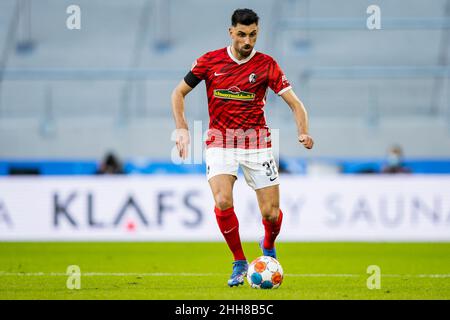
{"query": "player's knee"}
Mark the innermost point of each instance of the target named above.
(270, 212)
(223, 201)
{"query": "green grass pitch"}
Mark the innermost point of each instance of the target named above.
(171, 270)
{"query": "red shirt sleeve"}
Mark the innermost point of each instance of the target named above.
(277, 79)
(200, 66)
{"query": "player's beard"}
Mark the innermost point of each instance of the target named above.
(245, 51)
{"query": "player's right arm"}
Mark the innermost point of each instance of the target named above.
(197, 73)
(182, 129)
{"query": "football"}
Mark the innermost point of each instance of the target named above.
(265, 273)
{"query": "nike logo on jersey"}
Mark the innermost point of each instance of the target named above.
(272, 179)
(218, 74)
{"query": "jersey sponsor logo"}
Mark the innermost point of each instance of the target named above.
(234, 93)
(252, 78)
(218, 74)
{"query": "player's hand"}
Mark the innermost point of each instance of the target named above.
(182, 142)
(306, 140)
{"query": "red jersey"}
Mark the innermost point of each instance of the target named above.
(237, 91)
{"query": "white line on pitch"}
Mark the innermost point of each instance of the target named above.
(184, 274)
(317, 275)
(112, 274)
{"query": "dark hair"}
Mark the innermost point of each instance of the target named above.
(244, 16)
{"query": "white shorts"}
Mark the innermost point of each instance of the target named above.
(258, 165)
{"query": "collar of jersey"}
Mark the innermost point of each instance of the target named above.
(230, 54)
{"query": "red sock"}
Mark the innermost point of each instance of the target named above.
(272, 229)
(229, 226)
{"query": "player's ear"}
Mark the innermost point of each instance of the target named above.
(257, 29)
(230, 30)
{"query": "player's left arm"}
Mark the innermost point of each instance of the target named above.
(300, 116)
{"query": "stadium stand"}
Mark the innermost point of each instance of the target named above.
(76, 93)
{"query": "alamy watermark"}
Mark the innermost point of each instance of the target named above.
(73, 22)
(74, 277)
(374, 281)
(374, 20)
(250, 139)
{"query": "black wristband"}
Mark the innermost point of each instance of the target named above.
(191, 80)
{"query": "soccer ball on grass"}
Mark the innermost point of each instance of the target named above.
(265, 273)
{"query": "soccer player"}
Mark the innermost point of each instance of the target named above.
(237, 79)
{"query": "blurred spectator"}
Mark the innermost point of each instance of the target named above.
(110, 165)
(395, 161)
(367, 170)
